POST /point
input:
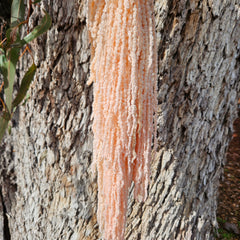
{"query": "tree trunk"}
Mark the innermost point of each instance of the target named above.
(47, 189)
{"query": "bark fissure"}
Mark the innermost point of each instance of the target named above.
(51, 147)
(6, 229)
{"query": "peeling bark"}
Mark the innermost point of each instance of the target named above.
(47, 158)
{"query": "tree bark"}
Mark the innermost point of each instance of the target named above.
(47, 188)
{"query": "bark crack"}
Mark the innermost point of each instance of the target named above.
(6, 230)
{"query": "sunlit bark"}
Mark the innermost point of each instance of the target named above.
(47, 186)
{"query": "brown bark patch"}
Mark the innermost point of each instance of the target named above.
(229, 191)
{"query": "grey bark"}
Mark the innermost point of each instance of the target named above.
(47, 189)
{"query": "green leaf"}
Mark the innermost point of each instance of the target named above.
(26, 81)
(3, 66)
(17, 12)
(3, 124)
(7, 43)
(37, 1)
(9, 129)
(26, 99)
(3, 127)
(13, 56)
(37, 31)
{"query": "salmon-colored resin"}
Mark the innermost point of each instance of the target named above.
(124, 71)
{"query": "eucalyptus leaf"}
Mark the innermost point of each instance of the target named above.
(9, 129)
(17, 12)
(13, 56)
(26, 81)
(3, 124)
(39, 30)
(37, 1)
(9, 56)
(8, 41)
(3, 66)
(26, 99)
(3, 127)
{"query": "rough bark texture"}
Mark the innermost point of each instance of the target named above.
(47, 190)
